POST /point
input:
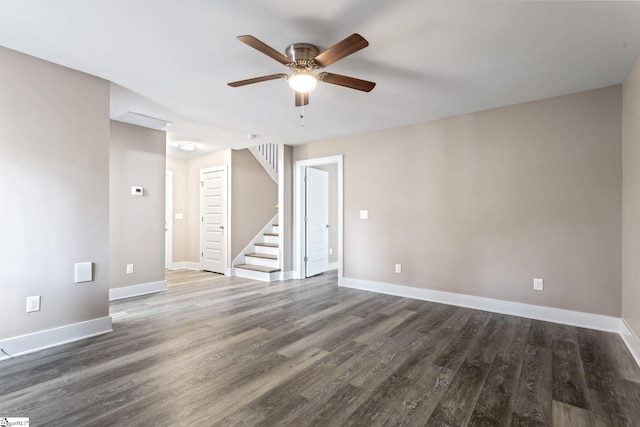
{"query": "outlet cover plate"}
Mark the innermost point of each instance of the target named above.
(33, 304)
(538, 284)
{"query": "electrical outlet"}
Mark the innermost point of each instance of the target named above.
(398, 268)
(129, 268)
(33, 303)
(538, 285)
(364, 214)
(330, 251)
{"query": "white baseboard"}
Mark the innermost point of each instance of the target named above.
(24, 344)
(136, 290)
(549, 314)
(333, 266)
(631, 340)
(185, 265)
(286, 275)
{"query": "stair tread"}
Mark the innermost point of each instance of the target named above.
(271, 234)
(257, 268)
(265, 256)
(268, 245)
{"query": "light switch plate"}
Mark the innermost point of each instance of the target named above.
(364, 214)
(84, 272)
(179, 216)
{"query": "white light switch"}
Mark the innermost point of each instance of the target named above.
(179, 216)
(364, 214)
(84, 272)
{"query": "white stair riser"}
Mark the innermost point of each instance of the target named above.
(257, 275)
(273, 263)
(266, 250)
(274, 229)
(271, 239)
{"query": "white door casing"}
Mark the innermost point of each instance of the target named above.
(317, 221)
(213, 219)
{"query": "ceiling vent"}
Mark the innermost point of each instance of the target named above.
(144, 121)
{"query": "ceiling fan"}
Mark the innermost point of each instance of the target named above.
(303, 59)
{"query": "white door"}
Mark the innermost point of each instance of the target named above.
(317, 221)
(213, 220)
(168, 221)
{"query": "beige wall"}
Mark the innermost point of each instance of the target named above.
(285, 200)
(631, 199)
(179, 169)
(482, 203)
(54, 182)
(137, 236)
(254, 196)
(332, 170)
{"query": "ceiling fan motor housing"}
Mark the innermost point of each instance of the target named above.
(301, 52)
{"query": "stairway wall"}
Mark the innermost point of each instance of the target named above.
(254, 196)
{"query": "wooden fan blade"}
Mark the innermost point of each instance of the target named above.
(257, 80)
(302, 99)
(346, 81)
(264, 48)
(346, 47)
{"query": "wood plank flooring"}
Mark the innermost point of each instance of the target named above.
(220, 351)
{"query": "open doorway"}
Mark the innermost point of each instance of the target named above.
(318, 223)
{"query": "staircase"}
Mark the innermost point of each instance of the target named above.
(261, 258)
(267, 155)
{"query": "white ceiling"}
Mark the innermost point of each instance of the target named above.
(430, 59)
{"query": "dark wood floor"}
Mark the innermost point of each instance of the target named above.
(227, 351)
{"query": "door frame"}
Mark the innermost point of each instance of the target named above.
(227, 222)
(168, 217)
(299, 192)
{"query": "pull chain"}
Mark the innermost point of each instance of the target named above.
(302, 117)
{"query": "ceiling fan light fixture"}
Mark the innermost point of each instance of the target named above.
(302, 81)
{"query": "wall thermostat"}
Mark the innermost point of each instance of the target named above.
(137, 191)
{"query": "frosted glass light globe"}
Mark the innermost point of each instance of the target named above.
(302, 81)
